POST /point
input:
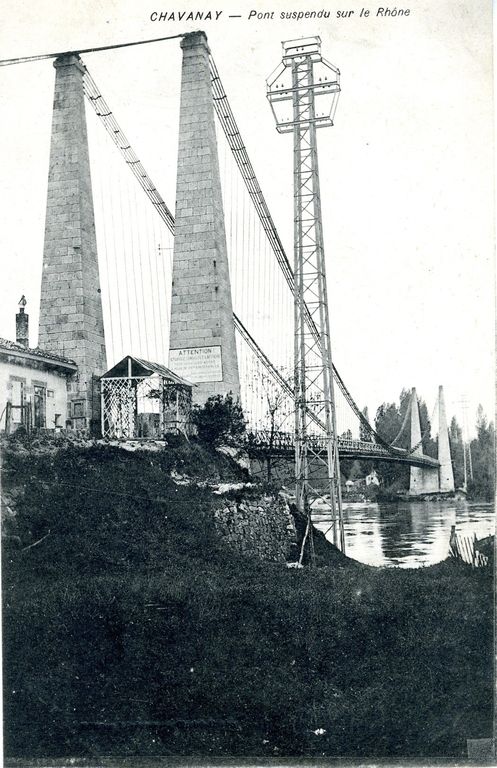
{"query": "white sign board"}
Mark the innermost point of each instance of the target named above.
(197, 364)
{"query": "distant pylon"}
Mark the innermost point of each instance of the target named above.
(446, 473)
(422, 479)
(302, 77)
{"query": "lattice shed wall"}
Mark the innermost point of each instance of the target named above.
(140, 408)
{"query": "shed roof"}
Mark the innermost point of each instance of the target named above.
(143, 368)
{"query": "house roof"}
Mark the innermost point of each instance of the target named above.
(143, 368)
(18, 350)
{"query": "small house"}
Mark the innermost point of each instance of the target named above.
(372, 478)
(33, 383)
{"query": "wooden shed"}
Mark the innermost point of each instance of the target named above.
(144, 400)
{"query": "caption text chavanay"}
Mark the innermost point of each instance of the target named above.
(253, 15)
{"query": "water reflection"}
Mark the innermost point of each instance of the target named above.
(408, 534)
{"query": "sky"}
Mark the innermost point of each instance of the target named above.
(406, 172)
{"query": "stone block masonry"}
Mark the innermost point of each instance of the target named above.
(260, 527)
(71, 321)
(201, 307)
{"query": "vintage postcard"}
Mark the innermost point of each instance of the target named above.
(247, 382)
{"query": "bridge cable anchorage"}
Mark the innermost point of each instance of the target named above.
(117, 135)
(44, 56)
(238, 148)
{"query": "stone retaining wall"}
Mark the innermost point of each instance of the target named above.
(262, 527)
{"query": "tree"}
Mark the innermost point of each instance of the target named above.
(356, 472)
(457, 452)
(220, 420)
(364, 433)
(388, 423)
(278, 407)
(483, 454)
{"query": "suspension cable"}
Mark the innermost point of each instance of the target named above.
(404, 423)
(427, 430)
(43, 56)
(272, 370)
(105, 114)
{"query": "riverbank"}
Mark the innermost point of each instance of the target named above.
(129, 629)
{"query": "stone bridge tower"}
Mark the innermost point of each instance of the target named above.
(202, 342)
(425, 479)
(71, 322)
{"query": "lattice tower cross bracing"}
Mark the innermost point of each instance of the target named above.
(317, 469)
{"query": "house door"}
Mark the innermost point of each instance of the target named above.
(40, 407)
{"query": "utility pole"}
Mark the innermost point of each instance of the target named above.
(303, 93)
(468, 462)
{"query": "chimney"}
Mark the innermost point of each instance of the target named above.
(22, 324)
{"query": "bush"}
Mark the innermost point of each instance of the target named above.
(220, 420)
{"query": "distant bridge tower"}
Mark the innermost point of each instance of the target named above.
(422, 479)
(425, 479)
(303, 79)
(202, 335)
(446, 472)
(71, 321)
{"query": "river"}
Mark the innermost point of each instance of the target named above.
(408, 534)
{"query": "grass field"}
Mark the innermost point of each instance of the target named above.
(129, 630)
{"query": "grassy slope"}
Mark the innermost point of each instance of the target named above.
(128, 630)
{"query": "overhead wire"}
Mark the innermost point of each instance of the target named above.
(133, 263)
(108, 292)
(44, 56)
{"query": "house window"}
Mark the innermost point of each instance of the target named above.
(78, 409)
(18, 400)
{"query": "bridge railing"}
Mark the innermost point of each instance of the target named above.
(278, 441)
(286, 440)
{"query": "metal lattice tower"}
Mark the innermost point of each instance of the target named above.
(303, 93)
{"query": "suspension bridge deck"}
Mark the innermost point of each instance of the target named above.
(283, 444)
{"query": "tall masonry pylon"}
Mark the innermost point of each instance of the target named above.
(422, 479)
(202, 340)
(71, 321)
(427, 479)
